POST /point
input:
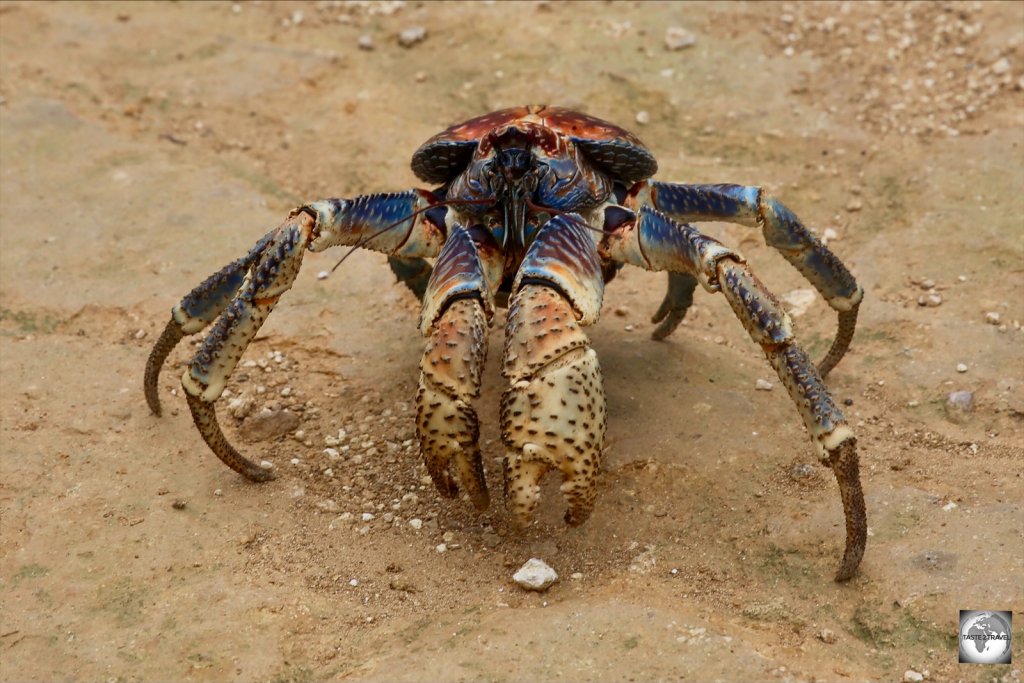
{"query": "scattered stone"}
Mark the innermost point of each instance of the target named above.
(576, 576)
(961, 367)
(854, 205)
(911, 676)
(365, 42)
(140, 334)
(368, 516)
(949, 506)
(827, 635)
(829, 235)
(354, 582)
(441, 548)
(678, 38)
(416, 523)
(323, 275)
(332, 453)
(764, 385)
(929, 300)
(535, 575)
(412, 35)
(1001, 67)
(621, 312)
(218, 492)
(992, 318)
(266, 465)
(269, 424)
(959, 405)
(629, 328)
(643, 118)
(179, 504)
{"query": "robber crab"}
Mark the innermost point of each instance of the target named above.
(537, 207)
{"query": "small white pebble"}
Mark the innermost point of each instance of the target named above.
(365, 42)
(416, 523)
(992, 318)
(949, 506)
(328, 472)
(332, 453)
(911, 676)
(961, 367)
(266, 464)
(323, 275)
(286, 392)
(643, 118)
(295, 461)
(576, 576)
(353, 583)
(218, 492)
(368, 516)
(441, 548)
(629, 328)
(764, 385)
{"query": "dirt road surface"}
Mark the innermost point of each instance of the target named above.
(143, 146)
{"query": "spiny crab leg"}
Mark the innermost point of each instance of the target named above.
(652, 240)
(752, 206)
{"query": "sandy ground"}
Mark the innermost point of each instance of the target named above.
(144, 146)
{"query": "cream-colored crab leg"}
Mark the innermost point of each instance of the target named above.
(457, 307)
(654, 241)
(553, 415)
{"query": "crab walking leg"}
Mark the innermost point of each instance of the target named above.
(458, 304)
(653, 241)
(199, 308)
(674, 306)
(406, 225)
(241, 295)
(753, 207)
(553, 414)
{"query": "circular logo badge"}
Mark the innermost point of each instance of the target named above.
(984, 637)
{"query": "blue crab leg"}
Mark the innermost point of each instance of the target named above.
(652, 240)
(241, 295)
(553, 414)
(458, 305)
(753, 207)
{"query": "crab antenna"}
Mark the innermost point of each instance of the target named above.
(366, 240)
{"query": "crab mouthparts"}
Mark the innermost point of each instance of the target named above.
(515, 214)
